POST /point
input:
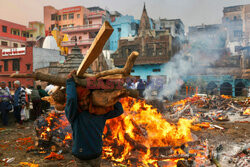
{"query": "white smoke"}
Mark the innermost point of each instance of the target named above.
(200, 53)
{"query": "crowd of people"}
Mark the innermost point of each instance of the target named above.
(24, 102)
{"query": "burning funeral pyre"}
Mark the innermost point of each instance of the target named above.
(141, 136)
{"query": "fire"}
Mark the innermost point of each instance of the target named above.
(226, 96)
(247, 112)
(142, 127)
(68, 136)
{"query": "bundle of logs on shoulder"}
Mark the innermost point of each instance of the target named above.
(104, 88)
(100, 91)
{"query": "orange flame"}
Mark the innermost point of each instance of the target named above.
(247, 112)
(145, 125)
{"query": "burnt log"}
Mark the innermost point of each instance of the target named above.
(136, 145)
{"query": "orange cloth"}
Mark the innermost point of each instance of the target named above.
(84, 102)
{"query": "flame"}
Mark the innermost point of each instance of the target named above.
(226, 96)
(247, 112)
(68, 136)
(144, 126)
(134, 133)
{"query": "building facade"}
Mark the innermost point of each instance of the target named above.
(236, 20)
(62, 18)
(154, 46)
(25, 60)
(124, 26)
(36, 33)
(86, 33)
(175, 27)
(12, 35)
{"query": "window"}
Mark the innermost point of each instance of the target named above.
(3, 43)
(60, 28)
(237, 33)
(22, 45)
(64, 17)
(54, 17)
(6, 67)
(1, 68)
(78, 16)
(16, 65)
(31, 35)
(15, 45)
(156, 70)
(28, 66)
(59, 17)
(23, 33)
(4, 28)
(71, 16)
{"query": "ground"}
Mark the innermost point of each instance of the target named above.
(234, 135)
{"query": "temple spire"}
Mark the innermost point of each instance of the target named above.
(144, 23)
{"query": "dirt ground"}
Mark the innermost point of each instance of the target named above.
(233, 134)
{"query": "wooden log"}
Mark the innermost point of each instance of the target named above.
(157, 151)
(125, 71)
(136, 145)
(96, 47)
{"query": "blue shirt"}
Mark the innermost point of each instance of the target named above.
(16, 96)
(87, 128)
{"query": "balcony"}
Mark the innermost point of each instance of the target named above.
(90, 27)
(79, 43)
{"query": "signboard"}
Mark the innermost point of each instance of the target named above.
(14, 51)
(72, 10)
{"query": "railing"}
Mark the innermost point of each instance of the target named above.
(80, 42)
(84, 27)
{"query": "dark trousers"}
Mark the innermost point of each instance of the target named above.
(4, 112)
(17, 113)
(37, 107)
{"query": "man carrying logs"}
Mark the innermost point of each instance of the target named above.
(87, 128)
(89, 99)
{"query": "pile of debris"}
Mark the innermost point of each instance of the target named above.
(212, 108)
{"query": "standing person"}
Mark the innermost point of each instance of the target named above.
(5, 102)
(87, 128)
(141, 87)
(43, 93)
(19, 101)
(36, 102)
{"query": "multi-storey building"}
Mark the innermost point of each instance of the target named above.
(36, 33)
(66, 17)
(84, 34)
(25, 60)
(124, 26)
(12, 35)
(175, 27)
(236, 21)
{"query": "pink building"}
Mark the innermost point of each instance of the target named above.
(80, 22)
(12, 35)
(66, 17)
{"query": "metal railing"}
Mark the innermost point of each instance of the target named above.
(80, 42)
(84, 27)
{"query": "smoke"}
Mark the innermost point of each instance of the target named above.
(202, 51)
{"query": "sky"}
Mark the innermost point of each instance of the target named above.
(191, 12)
